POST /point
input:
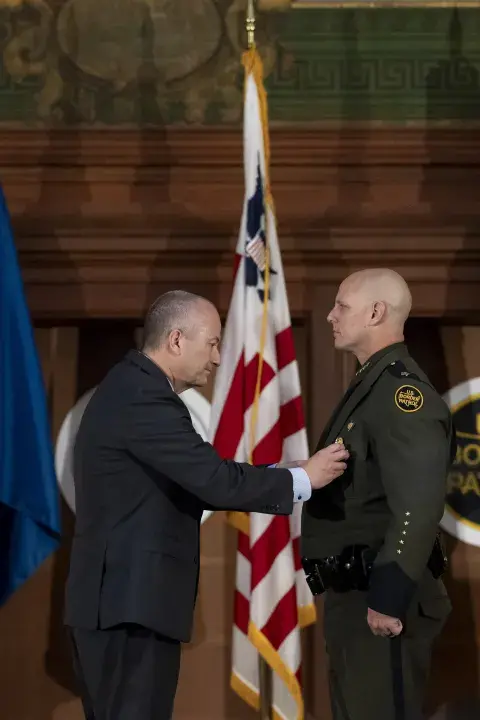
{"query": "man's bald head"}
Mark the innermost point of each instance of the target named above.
(385, 286)
(182, 335)
(370, 311)
(174, 310)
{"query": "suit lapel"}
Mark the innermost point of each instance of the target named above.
(359, 388)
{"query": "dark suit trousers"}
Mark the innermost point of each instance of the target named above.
(377, 678)
(125, 673)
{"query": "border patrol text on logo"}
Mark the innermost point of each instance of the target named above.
(408, 398)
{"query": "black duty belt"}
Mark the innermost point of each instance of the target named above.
(352, 568)
(348, 571)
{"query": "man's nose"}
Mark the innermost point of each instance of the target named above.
(216, 357)
(330, 316)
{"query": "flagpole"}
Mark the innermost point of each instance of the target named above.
(264, 674)
(250, 24)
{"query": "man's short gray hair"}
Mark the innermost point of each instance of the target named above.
(170, 311)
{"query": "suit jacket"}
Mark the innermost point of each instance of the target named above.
(143, 477)
(391, 498)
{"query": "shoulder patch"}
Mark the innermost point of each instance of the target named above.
(398, 370)
(408, 398)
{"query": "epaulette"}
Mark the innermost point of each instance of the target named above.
(398, 370)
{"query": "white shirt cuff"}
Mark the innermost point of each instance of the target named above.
(302, 488)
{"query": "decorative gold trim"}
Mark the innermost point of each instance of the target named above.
(267, 5)
(316, 4)
(463, 403)
(459, 518)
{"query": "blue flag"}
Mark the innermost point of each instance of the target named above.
(29, 500)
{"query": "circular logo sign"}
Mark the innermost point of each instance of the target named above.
(408, 398)
(462, 510)
(197, 405)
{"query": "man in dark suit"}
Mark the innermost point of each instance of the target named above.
(143, 477)
(370, 541)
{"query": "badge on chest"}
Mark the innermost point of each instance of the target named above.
(350, 426)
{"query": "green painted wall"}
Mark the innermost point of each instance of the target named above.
(161, 62)
(377, 64)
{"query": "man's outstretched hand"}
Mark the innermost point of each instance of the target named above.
(326, 465)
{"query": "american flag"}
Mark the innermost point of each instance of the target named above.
(257, 417)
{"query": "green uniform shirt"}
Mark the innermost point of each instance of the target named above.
(400, 436)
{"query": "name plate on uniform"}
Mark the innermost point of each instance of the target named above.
(462, 511)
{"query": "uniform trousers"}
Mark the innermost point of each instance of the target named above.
(125, 673)
(377, 678)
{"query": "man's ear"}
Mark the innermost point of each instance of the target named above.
(378, 313)
(174, 341)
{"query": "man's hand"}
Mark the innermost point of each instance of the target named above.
(326, 465)
(383, 625)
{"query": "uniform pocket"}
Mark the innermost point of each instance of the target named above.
(433, 601)
(435, 608)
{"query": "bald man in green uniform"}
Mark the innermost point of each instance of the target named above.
(369, 540)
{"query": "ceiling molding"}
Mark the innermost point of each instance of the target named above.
(298, 145)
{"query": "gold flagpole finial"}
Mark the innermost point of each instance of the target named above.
(250, 24)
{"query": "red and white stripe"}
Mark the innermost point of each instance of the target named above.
(272, 599)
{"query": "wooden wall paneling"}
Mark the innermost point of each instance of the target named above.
(143, 212)
(64, 382)
(301, 337)
(331, 370)
(65, 369)
(44, 343)
(102, 343)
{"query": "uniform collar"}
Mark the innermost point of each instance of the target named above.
(399, 349)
